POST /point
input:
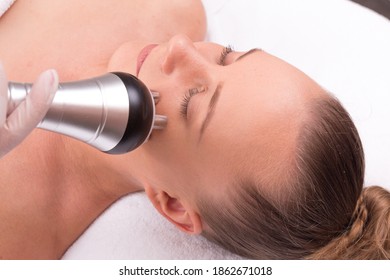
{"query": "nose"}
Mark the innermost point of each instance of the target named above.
(182, 55)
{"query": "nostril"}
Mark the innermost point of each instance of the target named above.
(167, 65)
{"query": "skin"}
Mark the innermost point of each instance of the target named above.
(40, 221)
(251, 132)
(181, 163)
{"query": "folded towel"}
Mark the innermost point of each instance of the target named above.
(133, 229)
(4, 5)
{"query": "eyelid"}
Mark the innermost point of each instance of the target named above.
(225, 51)
(187, 98)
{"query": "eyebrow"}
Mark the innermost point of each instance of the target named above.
(248, 53)
(211, 109)
(215, 97)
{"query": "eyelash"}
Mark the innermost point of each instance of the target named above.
(187, 97)
(226, 50)
(191, 92)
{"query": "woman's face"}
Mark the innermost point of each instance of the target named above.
(231, 115)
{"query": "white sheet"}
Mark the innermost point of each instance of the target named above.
(343, 46)
(5, 5)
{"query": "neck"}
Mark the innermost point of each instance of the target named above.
(98, 175)
(90, 182)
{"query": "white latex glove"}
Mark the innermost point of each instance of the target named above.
(27, 115)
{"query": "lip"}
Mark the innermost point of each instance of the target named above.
(143, 55)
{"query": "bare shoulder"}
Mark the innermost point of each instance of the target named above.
(78, 37)
(27, 209)
(185, 17)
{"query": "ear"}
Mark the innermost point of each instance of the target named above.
(177, 212)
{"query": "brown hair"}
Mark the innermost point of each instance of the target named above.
(329, 215)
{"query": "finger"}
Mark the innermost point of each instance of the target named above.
(3, 96)
(41, 95)
(32, 110)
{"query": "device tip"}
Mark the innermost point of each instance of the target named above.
(156, 96)
(160, 122)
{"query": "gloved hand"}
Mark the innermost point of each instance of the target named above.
(27, 115)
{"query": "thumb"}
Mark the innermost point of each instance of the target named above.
(33, 109)
(3, 96)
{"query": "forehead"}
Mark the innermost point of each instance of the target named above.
(267, 77)
(262, 90)
(260, 110)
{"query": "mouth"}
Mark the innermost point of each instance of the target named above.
(143, 55)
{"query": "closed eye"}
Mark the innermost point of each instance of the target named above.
(225, 51)
(186, 99)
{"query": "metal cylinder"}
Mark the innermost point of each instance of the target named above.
(114, 113)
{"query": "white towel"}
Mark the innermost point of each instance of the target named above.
(132, 229)
(4, 5)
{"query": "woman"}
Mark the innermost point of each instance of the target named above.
(256, 156)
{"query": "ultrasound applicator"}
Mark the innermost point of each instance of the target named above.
(114, 113)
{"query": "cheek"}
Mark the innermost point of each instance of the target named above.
(179, 164)
(175, 141)
(169, 148)
(172, 169)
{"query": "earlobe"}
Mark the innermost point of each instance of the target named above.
(182, 216)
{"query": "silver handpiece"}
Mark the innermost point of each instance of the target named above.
(114, 113)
